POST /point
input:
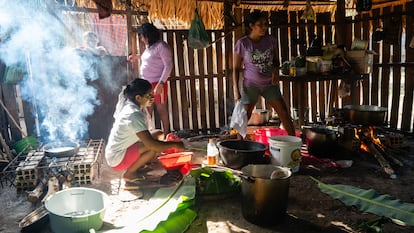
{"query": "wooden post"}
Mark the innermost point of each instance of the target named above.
(128, 6)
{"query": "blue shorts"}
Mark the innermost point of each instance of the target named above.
(250, 95)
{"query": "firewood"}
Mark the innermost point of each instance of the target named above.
(381, 160)
(388, 154)
(52, 188)
(34, 195)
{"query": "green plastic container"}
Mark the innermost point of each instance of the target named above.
(22, 144)
(77, 210)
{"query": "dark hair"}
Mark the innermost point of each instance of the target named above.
(253, 18)
(149, 31)
(136, 87)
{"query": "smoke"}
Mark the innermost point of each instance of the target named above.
(56, 77)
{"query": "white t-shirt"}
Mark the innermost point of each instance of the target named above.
(129, 120)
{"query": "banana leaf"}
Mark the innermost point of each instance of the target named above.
(177, 222)
(369, 200)
(163, 211)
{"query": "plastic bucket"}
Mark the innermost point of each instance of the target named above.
(265, 199)
(285, 151)
(263, 135)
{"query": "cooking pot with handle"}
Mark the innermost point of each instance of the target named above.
(365, 114)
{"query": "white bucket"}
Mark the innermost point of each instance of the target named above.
(285, 151)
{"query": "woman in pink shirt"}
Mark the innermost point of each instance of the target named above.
(256, 56)
(156, 65)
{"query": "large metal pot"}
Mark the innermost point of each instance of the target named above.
(365, 114)
(265, 196)
(321, 142)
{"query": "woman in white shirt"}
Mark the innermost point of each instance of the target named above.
(131, 145)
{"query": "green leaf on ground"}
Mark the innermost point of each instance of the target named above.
(370, 201)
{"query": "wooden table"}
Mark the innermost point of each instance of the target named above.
(300, 81)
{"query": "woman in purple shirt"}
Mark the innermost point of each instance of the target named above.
(156, 65)
(257, 52)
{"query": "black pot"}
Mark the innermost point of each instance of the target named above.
(365, 114)
(238, 153)
(321, 142)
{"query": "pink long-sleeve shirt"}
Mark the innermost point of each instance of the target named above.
(156, 62)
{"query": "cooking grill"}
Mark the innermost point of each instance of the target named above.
(24, 171)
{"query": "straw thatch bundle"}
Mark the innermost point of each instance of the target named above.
(177, 14)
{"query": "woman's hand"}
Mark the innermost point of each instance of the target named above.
(133, 57)
(159, 88)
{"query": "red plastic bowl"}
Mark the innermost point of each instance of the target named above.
(175, 161)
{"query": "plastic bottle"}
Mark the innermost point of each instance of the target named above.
(212, 152)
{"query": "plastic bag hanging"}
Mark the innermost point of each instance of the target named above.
(239, 119)
(197, 35)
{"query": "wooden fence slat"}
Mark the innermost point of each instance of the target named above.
(278, 19)
(211, 89)
(396, 81)
(193, 102)
(202, 88)
(407, 112)
(375, 73)
(182, 81)
(385, 75)
(221, 100)
(173, 85)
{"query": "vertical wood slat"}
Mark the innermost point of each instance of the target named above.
(278, 19)
(293, 53)
(211, 90)
(173, 85)
(396, 81)
(193, 104)
(406, 121)
(326, 18)
(220, 81)
(182, 81)
(375, 47)
(203, 116)
(385, 74)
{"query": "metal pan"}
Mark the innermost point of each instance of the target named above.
(61, 149)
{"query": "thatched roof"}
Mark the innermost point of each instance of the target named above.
(177, 14)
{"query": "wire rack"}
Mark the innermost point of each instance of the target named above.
(25, 171)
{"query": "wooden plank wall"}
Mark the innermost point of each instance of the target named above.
(391, 83)
(201, 91)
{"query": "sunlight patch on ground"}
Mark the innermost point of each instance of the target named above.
(342, 225)
(224, 227)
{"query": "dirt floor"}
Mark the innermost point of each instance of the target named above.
(309, 210)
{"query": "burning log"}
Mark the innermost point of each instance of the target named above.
(34, 195)
(381, 160)
(52, 188)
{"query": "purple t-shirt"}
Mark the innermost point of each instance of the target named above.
(257, 60)
(156, 62)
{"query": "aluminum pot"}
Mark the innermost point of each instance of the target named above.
(321, 142)
(365, 114)
(265, 196)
